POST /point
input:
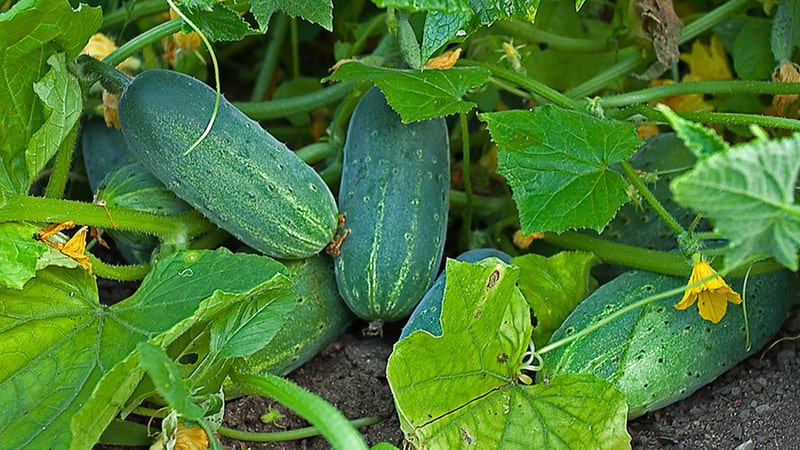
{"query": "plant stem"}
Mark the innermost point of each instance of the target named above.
(178, 228)
(627, 65)
(60, 173)
(487, 207)
(120, 273)
(645, 192)
(331, 423)
(728, 119)
(132, 11)
(289, 435)
(531, 85)
(276, 109)
(532, 34)
(143, 40)
(466, 228)
(316, 152)
(277, 32)
(295, 47)
(699, 87)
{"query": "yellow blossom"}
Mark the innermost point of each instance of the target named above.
(187, 438)
(526, 241)
(712, 295)
(446, 60)
(707, 62)
(100, 46)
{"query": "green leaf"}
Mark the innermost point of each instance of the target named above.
(419, 95)
(700, 140)
(450, 21)
(553, 286)
(19, 253)
(314, 11)
(62, 99)
(30, 32)
(462, 389)
(220, 23)
(168, 380)
(557, 163)
(59, 342)
(748, 193)
(243, 329)
(752, 58)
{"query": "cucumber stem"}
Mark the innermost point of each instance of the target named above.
(57, 182)
(149, 37)
(111, 79)
(466, 228)
(699, 87)
(132, 272)
(275, 109)
(266, 72)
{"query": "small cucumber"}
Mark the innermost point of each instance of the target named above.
(658, 355)
(239, 176)
(134, 187)
(103, 149)
(428, 313)
(394, 197)
(319, 318)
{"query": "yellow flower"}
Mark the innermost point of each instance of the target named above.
(712, 295)
(707, 62)
(187, 438)
(100, 46)
(446, 60)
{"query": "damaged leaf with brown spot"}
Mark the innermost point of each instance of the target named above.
(656, 21)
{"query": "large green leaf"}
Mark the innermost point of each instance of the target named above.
(553, 286)
(419, 95)
(30, 33)
(463, 388)
(19, 253)
(557, 163)
(58, 342)
(314, 11)
(748, 192)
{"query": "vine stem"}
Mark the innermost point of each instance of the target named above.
(275, 109)
(728, 119)
(645, 192)
(60, 173)
(699, 87)
(465, 151)
(289, 435)
(630, 63)
(132, 272)
(149, 37)
(265, 74)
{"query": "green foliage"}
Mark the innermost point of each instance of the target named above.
(419, 95)
(749, 194)
(752, 59)
(557, 163)
(464, 387)
(700, 140)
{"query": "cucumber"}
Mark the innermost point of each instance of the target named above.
(103, 149)
(658, 355)
(319, 318)
(428, 313)
(239, 176)
(134, 187)
(394, 197)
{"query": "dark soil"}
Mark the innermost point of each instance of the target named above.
(755, 405)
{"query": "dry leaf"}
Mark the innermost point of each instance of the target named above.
(662, 27)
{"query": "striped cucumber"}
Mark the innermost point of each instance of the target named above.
(239, 176)
(394, 197)
(658, 355)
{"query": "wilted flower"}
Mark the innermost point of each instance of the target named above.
(187, 438)
(712, 295)
(707, 62)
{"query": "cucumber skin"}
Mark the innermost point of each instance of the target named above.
(394, 195)
(103, 149)
(320, 318)
(428, 313)
(239, 176)
(659, 355)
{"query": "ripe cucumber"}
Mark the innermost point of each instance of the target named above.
(134, 187)
(428, 313)
(658, 355)
(394, 196)
(319, 318)
(239, 176)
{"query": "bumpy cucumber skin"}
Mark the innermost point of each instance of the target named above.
(240, 177)
(659, 355)
(134, 187)
(428, 313)
(319, 318)
(394, 195)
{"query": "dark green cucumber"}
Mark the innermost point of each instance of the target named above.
(103, 149)
(394, 196)
(658, 355)
(239, 176)
(428, 313)
(319, 318)
(134, 187)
